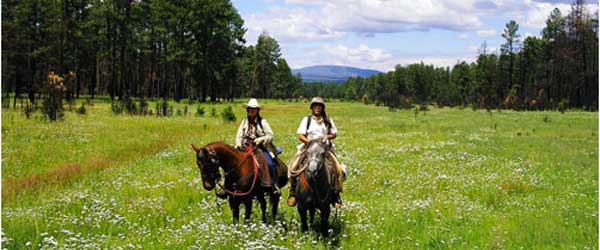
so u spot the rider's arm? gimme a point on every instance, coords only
(268, 131)
(239, 136)
(303, 138)
(332, 131)
(331, 136)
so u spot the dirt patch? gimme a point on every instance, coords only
(13, 187)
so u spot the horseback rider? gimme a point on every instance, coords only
(255, 131)
(317, 126)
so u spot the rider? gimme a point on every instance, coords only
(255, 130)
(319, 127)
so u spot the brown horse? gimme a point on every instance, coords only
(242, 180)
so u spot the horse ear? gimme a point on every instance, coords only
(195, 148)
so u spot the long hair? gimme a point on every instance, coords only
(257, 121)
(326, 119)
(324, 115)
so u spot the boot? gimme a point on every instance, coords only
(221, 193)
(292, 198)
(337, 200)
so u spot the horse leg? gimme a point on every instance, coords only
(302, 212)
(275, 205)
(235, 209)
(325, 210)
(248, 210)
(263, 206)
(312, 216)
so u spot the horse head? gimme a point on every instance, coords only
(315, 155)
(208, 163)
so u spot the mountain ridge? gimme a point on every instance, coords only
(332, 73)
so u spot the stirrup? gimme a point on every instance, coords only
(276, 189)
(291, 201)
(338, 202)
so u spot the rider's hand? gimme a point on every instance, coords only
(322, 138)
(259, 140)
(238, 146)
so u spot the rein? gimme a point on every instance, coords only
(235, 193)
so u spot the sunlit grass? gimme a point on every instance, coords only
(447, 179)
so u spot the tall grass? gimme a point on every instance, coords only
(450, 179)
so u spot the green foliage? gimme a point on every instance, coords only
(116, 107)
(365, 99)
(28, 109)
(54, 90)
(546, 119)
(213, 112)
(444, 181)
(563, 105)
(200, 111)
(228, 114)
(81, 110)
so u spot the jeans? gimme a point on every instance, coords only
(271, 164)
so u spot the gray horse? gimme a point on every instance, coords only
(314, 190)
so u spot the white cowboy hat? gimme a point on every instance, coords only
(252, 103)
(317, 100)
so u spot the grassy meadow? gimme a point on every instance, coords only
(444, 179)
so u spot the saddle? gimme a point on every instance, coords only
(263, 169)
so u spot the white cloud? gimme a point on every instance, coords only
(289, 25)
(373, 16)
(473, 48)
(538, 13)
(361, 56)
(438, 61)
(462, 36)
(332, 19)
(487, 33)
(360, 53)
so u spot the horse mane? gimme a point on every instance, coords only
(222, 144)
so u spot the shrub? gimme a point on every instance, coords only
(129, 105)
(53, 90)
(228, 114)
(563, 105)
(213, 112)
(116, 107)
(143, 106)
(28, 109)
(81, 110)
(546, 119)
(365, 99)
(200, 111)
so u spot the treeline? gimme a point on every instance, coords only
(557, 70)
(172, 49)
(195, 50)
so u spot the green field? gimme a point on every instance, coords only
(446, 179)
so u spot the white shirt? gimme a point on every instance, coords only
(259, 131)
(316, 130)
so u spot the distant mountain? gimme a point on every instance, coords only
(332, 73)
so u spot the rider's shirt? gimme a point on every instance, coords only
(316, 128)
(250, 132)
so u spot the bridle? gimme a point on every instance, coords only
(208, 162)
(215, 176)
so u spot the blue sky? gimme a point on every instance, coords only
(379, 34)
